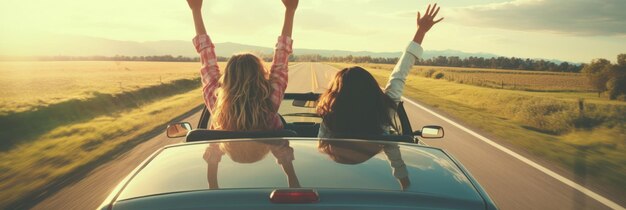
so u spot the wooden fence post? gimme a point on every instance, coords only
(581, 107)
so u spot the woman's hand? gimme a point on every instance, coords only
(404, 183)
(207, 155)
(290, 11)
(290, 5)
(424, 23)
(195, 4)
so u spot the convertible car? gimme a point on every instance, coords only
(293, 169)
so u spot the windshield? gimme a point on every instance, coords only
(293, 113)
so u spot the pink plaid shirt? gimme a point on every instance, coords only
(210, 73)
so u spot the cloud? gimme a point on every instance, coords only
(572, 17)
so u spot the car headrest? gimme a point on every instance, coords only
(203, 135)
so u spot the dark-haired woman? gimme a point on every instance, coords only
(355, 105)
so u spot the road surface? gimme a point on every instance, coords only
(511, 182)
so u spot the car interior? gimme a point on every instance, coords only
(300, 119)
(204, 134)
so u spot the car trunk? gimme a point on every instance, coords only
(351, 174)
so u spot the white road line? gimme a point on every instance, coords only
(553, 174)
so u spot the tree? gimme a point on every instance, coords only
(616, 85)
(597, 73)
(621, 60)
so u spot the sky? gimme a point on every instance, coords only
(568, 30)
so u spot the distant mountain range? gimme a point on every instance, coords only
(92, 46)
(227, 49)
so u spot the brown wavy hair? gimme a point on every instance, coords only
(243, 99)
(355, 105)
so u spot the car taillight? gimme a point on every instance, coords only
(294, 196)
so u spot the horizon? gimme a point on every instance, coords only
(536, 29)
(433, 53)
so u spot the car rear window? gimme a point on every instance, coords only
(184, 168)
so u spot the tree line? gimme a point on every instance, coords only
(449, 61)
(607, 77)
(512, 63)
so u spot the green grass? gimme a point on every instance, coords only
(536, 81)
(546, 124)
(32, 165)
(27, 126)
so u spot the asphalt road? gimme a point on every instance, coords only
(511, 182)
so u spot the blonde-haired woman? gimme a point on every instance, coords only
(246, 97)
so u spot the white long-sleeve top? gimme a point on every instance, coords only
(397, 79)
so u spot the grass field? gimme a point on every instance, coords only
(539, 81)
(568, 87)
(40, 96)
(32, 165)
(57, 117)
(546, 124)
(30, 85)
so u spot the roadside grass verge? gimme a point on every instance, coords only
(547, 125)
(29, 166)
(26, 126)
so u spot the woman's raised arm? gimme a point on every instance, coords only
(290, 11)
(209, 73)
(396, 83)
(278, 71)
(196, 6)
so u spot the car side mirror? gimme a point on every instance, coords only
(178, 129)
(430, 132)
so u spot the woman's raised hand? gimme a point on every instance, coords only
(424, 23)
(428, 20)
(290, 4)
(195, 4)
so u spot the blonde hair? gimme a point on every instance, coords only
(243, 99)
(245, 152)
